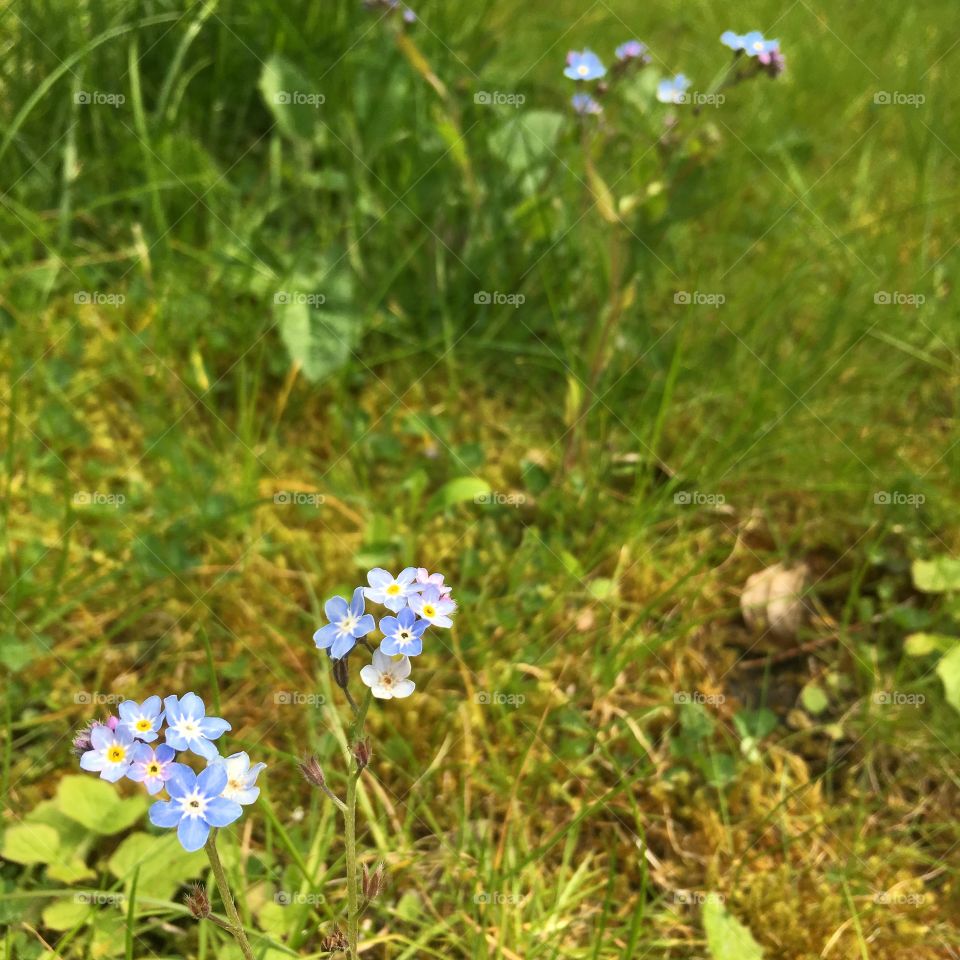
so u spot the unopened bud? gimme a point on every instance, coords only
(81, 740)
(197, 902)
(372, 882)
(334, 941)
(341, 672)
(313, 772)
(362, 753)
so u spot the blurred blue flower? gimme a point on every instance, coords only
(585, 105)
(241, 777)
(673, 91)
(142, 720)
(409, 16)
(195, 805)
(152, 767)
(733, 40)
(391, 591)
(110, 753)
(584, 65)
(753, 44)
(402, 634)
(188, 727)
(347, 624)
(633, 50)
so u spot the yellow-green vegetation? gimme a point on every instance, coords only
(602, 759)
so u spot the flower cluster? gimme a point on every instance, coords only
(416, 598)
(585, 65)
(125, 746)
(754, 44)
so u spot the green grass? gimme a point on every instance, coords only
(585, 812)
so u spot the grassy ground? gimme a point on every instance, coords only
(601, 746)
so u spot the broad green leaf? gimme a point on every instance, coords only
(291, 98)
(948, 669)
(164, 864)
(939, 575)
(727, 937)
(814, 699)
(66, 914)
(923, 644)
(461, 490)
(525, 143)
(31, 843)
(319, 340)
(97, 805)
(70, 871)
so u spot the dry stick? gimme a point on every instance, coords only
(236, 924)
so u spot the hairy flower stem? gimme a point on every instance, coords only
(236, 924)
(350, 836)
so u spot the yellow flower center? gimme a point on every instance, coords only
(583, 69)
(429, 610)
(393, 589)
(144, 725)
(153, 770)
(386, 679)
(115, 754)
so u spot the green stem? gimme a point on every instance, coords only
(236, 924)
(350, 837)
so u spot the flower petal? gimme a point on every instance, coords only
(326, 635)
(192, 706)
(335, 608)
(165, 814)
(403, 688)
(369, 675)
(181, 781)
(221, 811)
(192, 833)
(213, 727)
(356, 602)
(211, 781)
(378, 577)
(342, 646)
